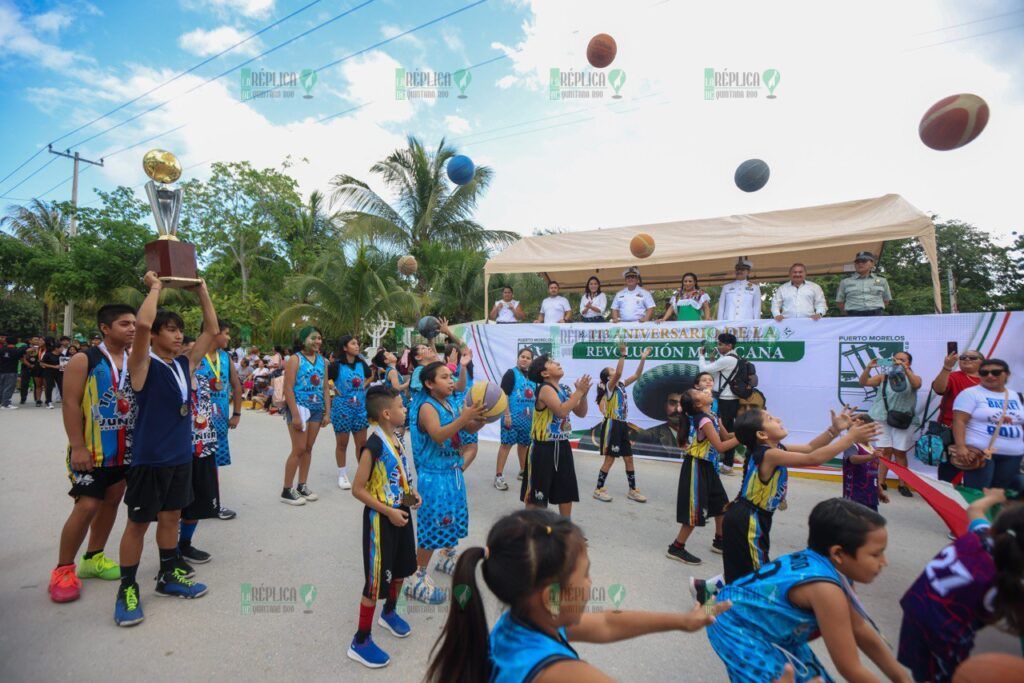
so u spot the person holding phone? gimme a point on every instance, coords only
(894, 409)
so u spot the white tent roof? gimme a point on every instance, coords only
(824, 238)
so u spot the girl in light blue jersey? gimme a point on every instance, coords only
(536, 563)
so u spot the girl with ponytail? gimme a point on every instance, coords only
(536, 563)
(976, 581)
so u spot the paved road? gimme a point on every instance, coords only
(275, 546)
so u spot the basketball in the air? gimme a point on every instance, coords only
(990, 667)
(461, 169)
(428, 326)
(491, 397)
(953, 121)
(407, 265)
(752, 175)
(601, 50)
(642, 245)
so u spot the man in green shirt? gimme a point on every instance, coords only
(865, 293)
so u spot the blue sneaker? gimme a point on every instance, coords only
(175, 584)
(424, 590)
(128, 608)
(368, 654)
(398, 626)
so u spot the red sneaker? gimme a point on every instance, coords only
(64, 585)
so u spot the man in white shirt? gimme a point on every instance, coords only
(555, 309)
(633, 303)
(722, 370)
(798, 298)
(740, 299)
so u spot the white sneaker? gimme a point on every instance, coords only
(49, 406)
(343, 482)
(500, 483)
(446, 562)
(12, 407)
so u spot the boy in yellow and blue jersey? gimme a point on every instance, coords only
(99, 417)
(382, 484)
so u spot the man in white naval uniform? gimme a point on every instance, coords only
(740, 299)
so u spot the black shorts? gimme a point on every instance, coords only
(205, 490)
(615, 439)
(389, 553)
(701, 494)
(550, 474)
(152, 489)
(745, 528)
(94, 484)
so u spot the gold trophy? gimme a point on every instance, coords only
(173, 261)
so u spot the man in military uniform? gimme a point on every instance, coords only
(740, 299)
(865, 293)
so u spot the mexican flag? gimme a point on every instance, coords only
(949, 500)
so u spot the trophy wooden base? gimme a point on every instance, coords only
(174, 262)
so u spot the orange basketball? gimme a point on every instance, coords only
(601, 50)
(953, 122)
(991, 667)
(407, 265)
(642, 245)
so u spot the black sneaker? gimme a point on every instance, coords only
(699, 590)
(226, 513)
(193, 554)
(717, 545)
(179, 564)
(520, 476)
(680, 553)
(905, 491)
(39, 404)
(292, 497)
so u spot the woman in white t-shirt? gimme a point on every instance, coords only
(507, 309)
(593, 303)
(689, 302)
(978, 414)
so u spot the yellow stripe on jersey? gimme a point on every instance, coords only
(760, 493)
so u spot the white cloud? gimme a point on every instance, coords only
(19, 40)
(205, 43)
(253, 9)
(456, 124)
(51, 22)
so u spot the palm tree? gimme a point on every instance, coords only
(44, 227)
(308, 232)
(428, 210)
(344, 291)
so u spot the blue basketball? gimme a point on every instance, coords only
(428, 326)
(460, 169)
(752, 175)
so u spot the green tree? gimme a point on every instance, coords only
(343, 291)
(308, 233)
(427, 210)
(20, 315)
(44, 228)
(234, 215)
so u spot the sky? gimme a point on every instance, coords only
(854, 80)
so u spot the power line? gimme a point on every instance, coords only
(968, 23)
(167, 82)
(228, 71)
(14, 187)
(976, 35)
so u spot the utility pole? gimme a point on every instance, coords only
(69, 308)
(953, 307)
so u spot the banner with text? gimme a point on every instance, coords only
(804, 367)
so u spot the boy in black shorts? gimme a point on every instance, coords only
(389, 541)
(160, 476)
(99, 416)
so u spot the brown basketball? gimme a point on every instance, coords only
(991, 667)
(642, 245)
(407, 265)
(601, 50)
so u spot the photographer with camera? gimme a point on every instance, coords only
(894, 409)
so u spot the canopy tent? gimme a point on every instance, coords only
(824, 238)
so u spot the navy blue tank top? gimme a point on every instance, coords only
(163, 436)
